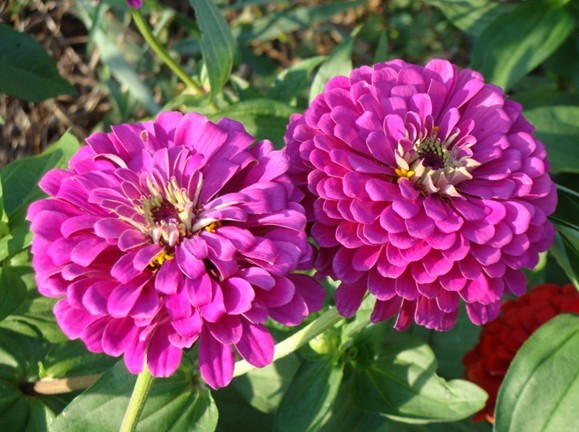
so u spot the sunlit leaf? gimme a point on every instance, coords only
(264, 388)
(217, 43)
(541, 389)
(517, 42)
(174, 404)
(402, 384)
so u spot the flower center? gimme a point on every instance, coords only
(436, 165)
(433, 154)
(169, 211)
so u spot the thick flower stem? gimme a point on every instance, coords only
(137, 401)
(295, 341)
(162, 52)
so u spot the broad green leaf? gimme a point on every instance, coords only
(471, 16)
(21, 176)
(541, 389)
(566, 258)
(287, 21)
(556, 125)
(402, 384)
(309, 396)
(236, 415)
(36, 311)
(26, 70)
(21, 350)
(264, 388)
(451, 346)
(293, 80)
(174, 404)
(217, 43)
(345, 416)
(339, 63)
(517, 42)
(262, 118)
(12, 291)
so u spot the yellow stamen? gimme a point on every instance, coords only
(403, 173)
(212, 227)
(160, 259)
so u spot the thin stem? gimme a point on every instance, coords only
(295, 341)
(162, 52)
(137, 401)
(64, 385)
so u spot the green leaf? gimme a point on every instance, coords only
(12, 291)
(235, 414)
(282, 23)
(124, 72)
(21, 350)
(471, 16)
(217, 43)
(566, 258)
(451, 346)
(36, 312)
(339, 63)
(541, 389)
(345, 416)
(293, 80)
(27, 71)
(402, 384)
(264, 388)
(518, 41)
(174, 404)
(21, 177)
(555, 120)
(262, 118)
(309, 396)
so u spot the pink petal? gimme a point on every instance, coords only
(124, 296)
(118, 335)
(215, 361)
(349, 297)
(163, 358)
(227, 330)
(256, 345)
(168, 278)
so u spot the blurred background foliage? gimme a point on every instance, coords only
(88, 67)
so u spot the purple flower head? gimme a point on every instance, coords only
(168, 232)
(135, 3)
(425, 185)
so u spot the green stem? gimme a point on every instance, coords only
(162, 52)
(295, 341)
(137, 401)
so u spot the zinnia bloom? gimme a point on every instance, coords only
(425, 185)
(499, 341)
(170, 231)
(135, 3)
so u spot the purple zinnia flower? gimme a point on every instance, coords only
(425, 185)
(135, 3)
(170, 231)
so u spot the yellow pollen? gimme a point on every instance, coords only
(160, 259)
(403, 173)
(435, 129)
(212, 227)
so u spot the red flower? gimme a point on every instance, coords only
(487, 364)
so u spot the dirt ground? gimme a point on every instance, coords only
(30, 127)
